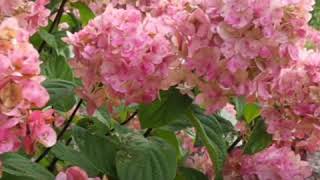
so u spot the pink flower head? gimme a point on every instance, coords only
(271, 163)
(127, 56)
(74, 173)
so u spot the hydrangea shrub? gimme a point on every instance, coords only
(159, 89)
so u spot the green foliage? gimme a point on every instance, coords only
(239, 103)
(315, 21)
(259, 138)
(75, 158)
(145, 159)
(184, 173)
(100, 150)
(85, 12)
(56, 67)
(251, 112)
(20, 166)
(171, 106)
(171, 138)
(210, 134)
(61, 93)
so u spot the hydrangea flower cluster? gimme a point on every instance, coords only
(292, 111)
(120, 55)
(30, 14)
(223, 48)
(20, 91)
(271, 163)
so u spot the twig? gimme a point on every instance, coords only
(55, 159)
(234, 144)
(64, 129)
(147, 133)
(55, 22)
(129, 118)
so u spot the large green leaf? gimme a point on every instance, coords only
(239, 103)
(251, 112)
(85, 12)
(146, 159)
(48, 38)
(210, 134)
(171, 106)
(259, 138)
(171, 138)
(213, 128)
(76, 158)
(20, 166)
(61, 94)
(100, 150)
(315, 21)
(185, 173)
(56, 67)
(103, 116)
(73, 22)
(7, 176)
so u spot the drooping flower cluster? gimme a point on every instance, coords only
(271, 163)
(20, 91)
(30, 14)
(120, 55)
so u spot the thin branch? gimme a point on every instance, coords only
(234, 144)
(129, 118)
(55, 22)
(55, 159)
(64, 129)
(148, 132)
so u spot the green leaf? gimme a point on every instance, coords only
(18, 165)
(7, 176)
(185, 173)
(213, 129)
(85, 12)
(259, 138)
(171, 138)
(210, 135)
(251, 112)
(181, 123)
(61, 94)
(76, 158)
(100, 150)
(103, 116)
(239, 103)
(168, 108)
(315, 21)
(54, 4)
(146, 159)
(48, 38)
(56, 67)
(73, 22)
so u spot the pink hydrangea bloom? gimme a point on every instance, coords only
(31, 15)
(74, 173)
(128, 60)
(20, 91)
(271, 163)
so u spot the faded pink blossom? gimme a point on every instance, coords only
(74, 173)
(271, 163)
